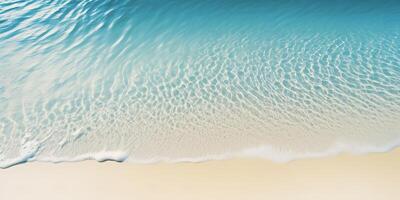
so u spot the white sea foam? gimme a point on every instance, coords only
(264, 152)
(117, 156)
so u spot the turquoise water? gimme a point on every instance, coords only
(158, 80)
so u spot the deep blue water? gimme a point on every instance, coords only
(191, 80)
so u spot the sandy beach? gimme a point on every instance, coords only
(369, 176)
(89, 87)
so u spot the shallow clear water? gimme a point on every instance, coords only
(192, 80)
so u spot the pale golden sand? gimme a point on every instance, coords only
(370, 176)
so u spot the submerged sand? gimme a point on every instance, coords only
(369, 176)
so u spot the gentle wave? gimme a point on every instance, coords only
(157, 80)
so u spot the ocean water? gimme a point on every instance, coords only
(173, 80)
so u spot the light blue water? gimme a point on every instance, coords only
(192, 80)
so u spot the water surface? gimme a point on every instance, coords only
(153, 80)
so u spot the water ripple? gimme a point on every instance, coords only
(191, 80)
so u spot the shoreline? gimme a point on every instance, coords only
(367, 176)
